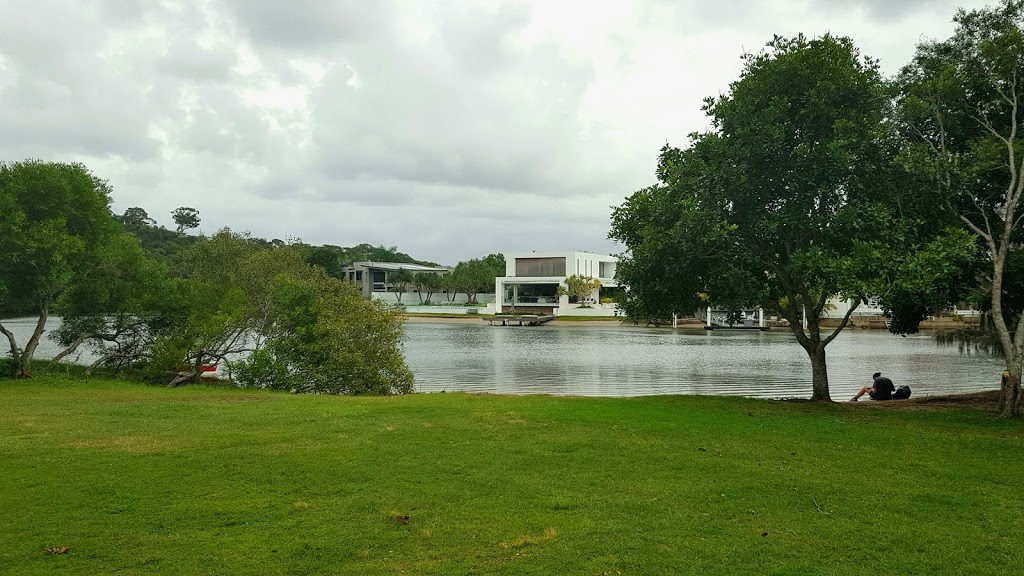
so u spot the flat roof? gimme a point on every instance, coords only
(400, 266)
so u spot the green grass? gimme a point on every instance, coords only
(203, 480)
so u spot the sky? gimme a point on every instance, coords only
(450, 129)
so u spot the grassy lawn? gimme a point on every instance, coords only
(203, 480)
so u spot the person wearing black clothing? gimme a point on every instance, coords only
(881, 389)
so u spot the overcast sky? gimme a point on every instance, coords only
(450, 129)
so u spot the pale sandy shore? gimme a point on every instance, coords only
(613, 323)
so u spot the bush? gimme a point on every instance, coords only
(607, 300)
(333, 341)
(262, 369)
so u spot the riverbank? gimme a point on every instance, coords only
(862, 323)
(134, 479)
(592, 321)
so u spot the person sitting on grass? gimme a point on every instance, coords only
(881, 389)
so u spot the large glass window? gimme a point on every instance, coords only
(532, 294)
(608, 269)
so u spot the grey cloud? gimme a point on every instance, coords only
(310, 23)
(187, 60)
(122, 12)
(423, 114)
(886, 9)
(473, 127)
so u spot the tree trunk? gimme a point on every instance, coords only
(71, 349)
(1010, 393)
(190, 376)
(33, 342)
(16, 367)
(819, 374)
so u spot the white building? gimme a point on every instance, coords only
(532, 279)
(374, 277)
(837, 308)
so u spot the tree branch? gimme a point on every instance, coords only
(842, 324)
(10, 338)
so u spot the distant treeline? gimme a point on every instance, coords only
(162, 243)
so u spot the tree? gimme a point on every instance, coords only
(427, 283)
(224, 303)
(186, 218)
(450, 283)
(472, 277)
(400, 280)
(961, 106)
(368, 252)
(496, 262)
(329, 340)
(55, 220)
(579, 287)
(782, 204)
(325, 258)
(117, 308)
(137, 217)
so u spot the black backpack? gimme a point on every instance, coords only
(902, 393)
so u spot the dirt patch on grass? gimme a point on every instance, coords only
(132, 444)
(984, 401)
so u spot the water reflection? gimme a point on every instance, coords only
(626, 361)
(591, 361)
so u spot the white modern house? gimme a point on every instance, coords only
(532, 279)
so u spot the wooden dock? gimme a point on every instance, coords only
(524, 320)
(736, 327)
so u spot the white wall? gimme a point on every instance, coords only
(582, 263)
(413, 299)
(842, 306)
(607, 310)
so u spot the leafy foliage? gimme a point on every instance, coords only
(427, 283)
(960, 108)
(185, 218)
(475, 276)
(136, 217)
(578, 287)
(329, 340)
(784, 204)
(400, 280)
(56, 225)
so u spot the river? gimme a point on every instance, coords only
(631, 361)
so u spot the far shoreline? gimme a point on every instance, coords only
(684, 324)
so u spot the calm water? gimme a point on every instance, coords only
(627, 361)
(601, 361)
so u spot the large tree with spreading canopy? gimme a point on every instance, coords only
(56, 229)
(785, 203)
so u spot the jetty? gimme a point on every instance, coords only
(524, 320)
(736, 327)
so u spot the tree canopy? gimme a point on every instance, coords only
(56, 226)
(785, 203)
(578, 287)
(960, 103)
(185, 218)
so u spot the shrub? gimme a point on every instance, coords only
(262, 369)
